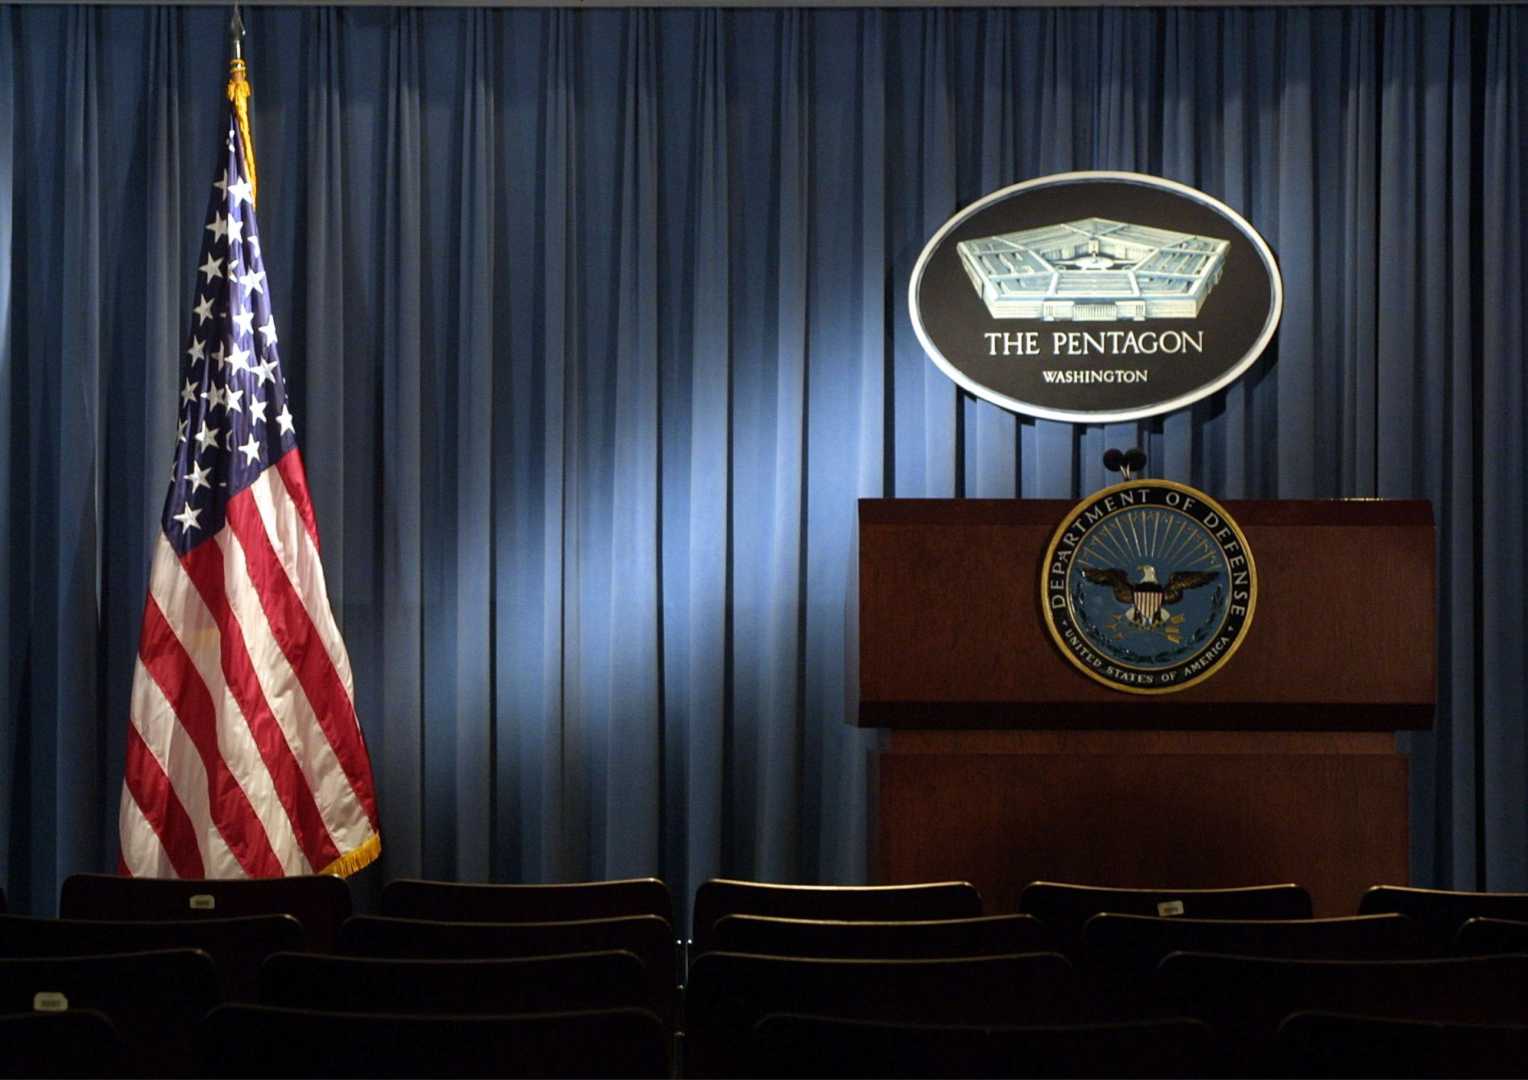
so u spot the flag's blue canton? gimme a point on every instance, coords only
(234, 419)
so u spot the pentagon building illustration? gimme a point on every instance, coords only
(1094, 270)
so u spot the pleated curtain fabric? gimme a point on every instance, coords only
(596, 321)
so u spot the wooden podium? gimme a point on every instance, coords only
(1005, 764)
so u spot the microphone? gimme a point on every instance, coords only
(1125, 462)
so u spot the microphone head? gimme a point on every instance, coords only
(1135, 459)
(1113, 459)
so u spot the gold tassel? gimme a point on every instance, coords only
(238, 93)
(352, 861)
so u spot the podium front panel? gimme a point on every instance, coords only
(952, 636)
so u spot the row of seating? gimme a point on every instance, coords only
(322, 904)
(952, 978)
(259, 1041)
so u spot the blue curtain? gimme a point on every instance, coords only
(595, 323)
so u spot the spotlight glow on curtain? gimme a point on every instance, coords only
(596, 322)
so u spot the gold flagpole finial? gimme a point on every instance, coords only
(238, 93)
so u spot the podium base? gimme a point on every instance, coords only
(1186, 809)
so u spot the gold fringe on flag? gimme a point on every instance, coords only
(352, 861)
(238, 93)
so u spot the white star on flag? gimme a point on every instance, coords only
(198, 476)
(251, 449)
(187, 518)
(238, 358)
(206, 437)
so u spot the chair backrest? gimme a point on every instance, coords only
(153, 998)
(794, 1045)
(649, 937)
(319, 902)
(79, 1042)
(990, 935)
(451, 901)
(930, 900)
(299, 1042)
(1484, 936)
(237, 946)
(1133, 945)
(1244, 998)
(1066, 907)
(591, 980)
(728, 993)
(1442, 912)
(1342, 1044)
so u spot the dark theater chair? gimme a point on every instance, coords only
(1442, 911)
(650, 938)
(450, 901)
(1066, 907)
(1246, 998)
(1341, 1045)
(990, 935)
(931, 900)
(262, 1041)
(75, 1043)
(729, 993)
(579, 981)
(1133, 945)
(319, 902)
(154, 999)
(814, 1046)
(1121, 952)
(237, 946)
(1484, 936)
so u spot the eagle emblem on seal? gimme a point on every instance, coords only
(1147, 600)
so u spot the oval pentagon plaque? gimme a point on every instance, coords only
(1095, 297)
(1148, 586)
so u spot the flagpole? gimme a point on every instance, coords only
(239, 91)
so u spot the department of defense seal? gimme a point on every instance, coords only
(1148, 586)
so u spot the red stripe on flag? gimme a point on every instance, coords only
(205, 565)
(293, 629)
(181, 684)
(295, 477)
(150, 788)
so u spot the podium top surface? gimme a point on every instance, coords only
(1330, 513)
(952, 635)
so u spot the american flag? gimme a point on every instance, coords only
(244, 755)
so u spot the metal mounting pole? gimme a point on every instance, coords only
(236, 34)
